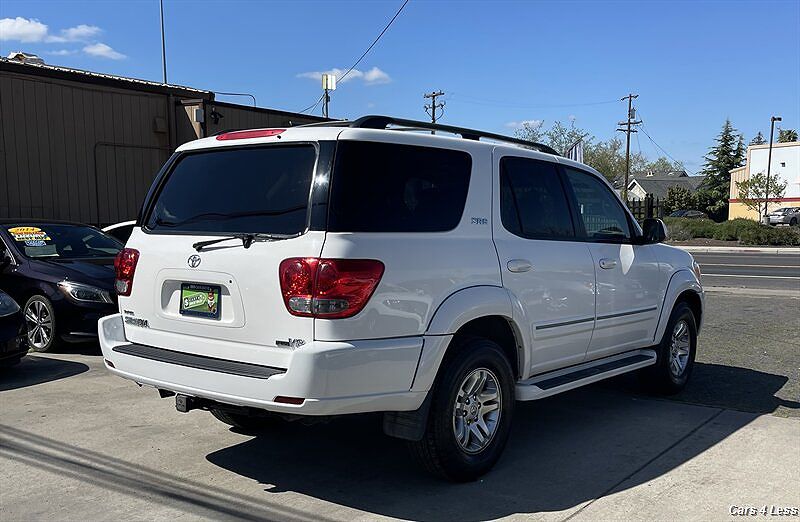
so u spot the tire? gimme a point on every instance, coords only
(793, 222)
(243, 422)
(439, 451)
(40, 319)
(674, 362)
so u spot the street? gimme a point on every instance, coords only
(78, 443)
(750, 270)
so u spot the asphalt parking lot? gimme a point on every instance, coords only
(79, 444)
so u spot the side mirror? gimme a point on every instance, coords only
(653, 231)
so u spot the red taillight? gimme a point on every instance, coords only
(328, 288)
(125, 266)
(245, 134)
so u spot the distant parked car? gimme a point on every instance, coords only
(61, 274)
(691, 214)
(13, 342)
(121, 231)
(785, 216)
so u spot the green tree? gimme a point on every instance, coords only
(663, 165)
(727, 154)
(758, 140)
(787, 135)
(679, 198)
(754, 192)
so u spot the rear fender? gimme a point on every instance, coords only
(454, 312)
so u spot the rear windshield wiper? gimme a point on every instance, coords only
(247, 239)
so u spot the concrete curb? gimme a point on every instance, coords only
(738, 250)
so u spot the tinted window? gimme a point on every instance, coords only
(263, 189)
(384, 187)
(62, 241)
(601, 212)
(532, 201)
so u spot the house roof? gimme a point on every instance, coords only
(659, 186)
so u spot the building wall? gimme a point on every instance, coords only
(77, 152)
(785, 165)
(83, 147)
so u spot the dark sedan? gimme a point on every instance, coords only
(61, 274)
(13, 342)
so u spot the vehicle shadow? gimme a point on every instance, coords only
(564, 451)
(724, 386)
(34, 370)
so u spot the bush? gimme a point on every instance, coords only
(746, 231)
(765, 235)
(733, 229)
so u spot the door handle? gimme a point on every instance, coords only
(607, 263)
(519, 265)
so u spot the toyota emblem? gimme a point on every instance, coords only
(194, 261)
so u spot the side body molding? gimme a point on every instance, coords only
(454, 312)
(681, 281)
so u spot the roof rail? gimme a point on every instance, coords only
(382, 122)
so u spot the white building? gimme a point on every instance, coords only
(785, 167)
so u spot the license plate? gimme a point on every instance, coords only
(200, 300)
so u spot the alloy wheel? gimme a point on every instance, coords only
(477, 409)
(679, 349)
(40, 324)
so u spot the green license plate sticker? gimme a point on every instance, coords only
(200, 300)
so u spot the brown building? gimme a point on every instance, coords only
(83, 146)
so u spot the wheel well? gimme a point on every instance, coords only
(691, 298)
(497, 329)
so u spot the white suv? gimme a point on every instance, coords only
(365, 266)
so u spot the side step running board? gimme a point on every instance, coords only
(558, 381)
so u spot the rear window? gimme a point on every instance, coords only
(385, 187)
(252, 190)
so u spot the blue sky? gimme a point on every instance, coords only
(693, 63)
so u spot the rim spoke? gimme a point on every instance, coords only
(477, 432)
(487, 396)
(488, 408)
(30, 315)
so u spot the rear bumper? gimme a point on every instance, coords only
(334, 378)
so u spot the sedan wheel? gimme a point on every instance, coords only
(41, 324)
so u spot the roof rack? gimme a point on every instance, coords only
(382, 122)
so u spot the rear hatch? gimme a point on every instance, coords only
(224, 299)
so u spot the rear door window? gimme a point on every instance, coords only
(386, 187)
(532, 201)
(249, 190)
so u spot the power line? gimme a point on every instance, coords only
(664, 151)
(374, 41)
(363, 55)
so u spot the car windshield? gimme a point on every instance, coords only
(783, 211)
(253, 190)
(62, 241)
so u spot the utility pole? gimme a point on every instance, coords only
(772, 121)
(631, 120)
(163, 43)
(431, 109)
